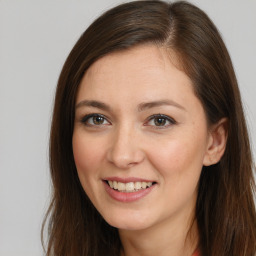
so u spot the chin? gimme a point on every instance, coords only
(127, 221)
(128, 225)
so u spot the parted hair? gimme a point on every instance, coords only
(225, 208)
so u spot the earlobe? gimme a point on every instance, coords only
(217, 142)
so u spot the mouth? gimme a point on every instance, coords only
(129, 187)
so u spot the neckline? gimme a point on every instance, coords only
(196, 253)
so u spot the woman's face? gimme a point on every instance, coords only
(140, 139)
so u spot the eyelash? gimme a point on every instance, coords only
(163, 117)
(85, 120)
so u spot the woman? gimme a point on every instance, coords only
(149, 148)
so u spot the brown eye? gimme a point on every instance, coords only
(159, 121)
(98, 120)
(94, 120)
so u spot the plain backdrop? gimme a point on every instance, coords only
(35, 38)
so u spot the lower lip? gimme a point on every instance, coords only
(127, 197)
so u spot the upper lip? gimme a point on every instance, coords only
(127, 179)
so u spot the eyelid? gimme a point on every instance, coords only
(85, 118)
(168, 118)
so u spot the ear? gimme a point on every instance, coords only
(216, 143)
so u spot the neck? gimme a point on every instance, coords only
(168, 238)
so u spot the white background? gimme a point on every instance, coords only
(35, 38)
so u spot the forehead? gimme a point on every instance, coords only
(148, 56)
(141, 56)
(145, 67)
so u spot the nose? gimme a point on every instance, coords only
(125, 150)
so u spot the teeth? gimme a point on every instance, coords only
(130, 186)
(110, 182)
(144, 184)
(137, 185)
(121, 186)
(115, 184)
(149, 184)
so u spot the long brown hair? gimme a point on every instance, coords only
(225, 210)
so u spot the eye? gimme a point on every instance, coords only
(94, 120)
(160, 121)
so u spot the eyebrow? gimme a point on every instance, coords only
(153, 104)
(93, 103)
(141, 106)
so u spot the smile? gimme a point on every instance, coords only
(129, 187)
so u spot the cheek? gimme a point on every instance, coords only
(179, 157)
(171, 158)
(86, 154)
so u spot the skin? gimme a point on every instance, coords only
(128, 143)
